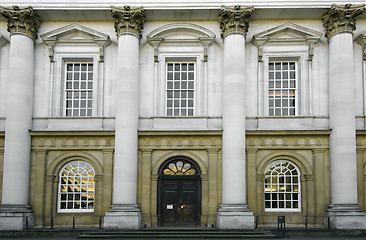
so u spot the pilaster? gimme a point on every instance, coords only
(234, 212)
(22, 25)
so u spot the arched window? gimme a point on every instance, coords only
(76, 187)
(282, 190)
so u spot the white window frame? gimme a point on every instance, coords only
(299, 195)
(161, 89)
(302, 101)
(281, 88)
(58, 107)
(180, 90)
(66, 193)
(66, 90)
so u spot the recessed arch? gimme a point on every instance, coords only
(188, 28)
(297, 159)
(194, 157)
(56, 165)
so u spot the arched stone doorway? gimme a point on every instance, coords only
(179, 193)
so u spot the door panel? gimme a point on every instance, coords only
(179, 202)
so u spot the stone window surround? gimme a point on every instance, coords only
(59, 210)
(298, 209)
(193, 42)
(287, 41)
(75, 43)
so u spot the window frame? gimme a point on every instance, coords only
(200, 93)
(66, 90)
(58, 88)
(303, 96)
(299, 192)
(59, 192)
(281, 89)
(183, 61)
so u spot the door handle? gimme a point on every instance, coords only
(182, 206)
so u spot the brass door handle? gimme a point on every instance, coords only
(182, 206)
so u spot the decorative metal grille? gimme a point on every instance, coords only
(179, 167)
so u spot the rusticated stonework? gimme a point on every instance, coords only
(235, 20)
(342, 19)
(21, 20)
(128, 21)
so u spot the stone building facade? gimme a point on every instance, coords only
(182, 114)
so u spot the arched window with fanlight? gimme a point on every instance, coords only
(282, 188)
(76, 190)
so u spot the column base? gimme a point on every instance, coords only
(123, 216)
(346, 216)
(15, 217)
(235, 216)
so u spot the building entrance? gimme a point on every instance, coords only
(179, 201)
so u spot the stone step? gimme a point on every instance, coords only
(179, 234)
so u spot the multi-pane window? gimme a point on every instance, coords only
(282, 88)
(79, 89)
(180, 89)
(76, 187)
(282, 187)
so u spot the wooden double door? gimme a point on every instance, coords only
(180, 202)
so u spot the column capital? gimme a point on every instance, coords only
(235, 20)
(128, 21)
(341, 19)
(21, 20)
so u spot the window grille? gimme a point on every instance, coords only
(180, 89)
(79, 89)
(282, 190)
(76, 187)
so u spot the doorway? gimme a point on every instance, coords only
(179, 193)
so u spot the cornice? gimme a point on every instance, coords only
(287, 33)
(200, 35)
(342, 19)
(21, 20)
(128, 21)
(66, 35)
(235, 20)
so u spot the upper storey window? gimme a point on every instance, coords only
(76, 61)
(282, 88)
(79, 89)
(181, 59)
(285, 55)
(180, 89)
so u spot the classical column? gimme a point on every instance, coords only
(125, 212)
(23, 26)
(234, 212)
(344, 212)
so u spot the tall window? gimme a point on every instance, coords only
(180, 89)
(282, 187)
(79, 89)
(282, 88)
(76, 187)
